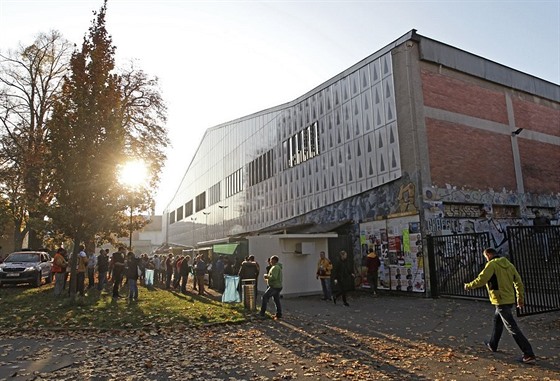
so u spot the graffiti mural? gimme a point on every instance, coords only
(458, 211)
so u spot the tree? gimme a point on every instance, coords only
(30, 79)
(100, 120)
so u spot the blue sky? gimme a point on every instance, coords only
(220, 60)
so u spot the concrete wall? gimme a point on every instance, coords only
(298, 269)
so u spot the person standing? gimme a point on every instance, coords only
(168, 270)
(92, 263)
(274, 281)
(118, 270)
(218, 274)
(343, 277)
(102, 269)
(324, 269)
(157, 269)
(132, 274)
(249, 270)
(59, 271)
(503, 283)
(372, 263)
(184, 272)
(200, 272)
(82, 268)
(540, 222)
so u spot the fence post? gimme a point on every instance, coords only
(434, 292)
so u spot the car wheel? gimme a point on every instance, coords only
(38, 280)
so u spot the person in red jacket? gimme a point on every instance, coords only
(372, 264)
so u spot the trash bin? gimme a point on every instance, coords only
(231, 292)
(248, 294)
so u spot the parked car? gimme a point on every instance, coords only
(26, 267)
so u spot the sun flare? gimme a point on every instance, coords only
(134, 173)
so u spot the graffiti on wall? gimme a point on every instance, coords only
(453, 211)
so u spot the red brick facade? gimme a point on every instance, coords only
(455, 95)
(475, 158)
(467, 157)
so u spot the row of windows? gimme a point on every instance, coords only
(261, 168)
(302, 146)
(297, 149)
(234, 183)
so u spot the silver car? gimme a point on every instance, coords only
(26, 267)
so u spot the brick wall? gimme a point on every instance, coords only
(473, 158)
(458, 96)
(468, 157)
(540, 164)
(536, 117)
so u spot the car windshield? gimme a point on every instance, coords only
(23, 257)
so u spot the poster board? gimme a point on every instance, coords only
(398, 243)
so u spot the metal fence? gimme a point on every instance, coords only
(455, 260)
(535, 251)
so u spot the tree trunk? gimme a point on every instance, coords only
(18, 238)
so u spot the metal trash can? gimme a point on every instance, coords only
(248, 294)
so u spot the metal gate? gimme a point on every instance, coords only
(535, 251)
(455, 260)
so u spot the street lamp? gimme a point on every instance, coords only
(223, 207)
(193, 219)
(206, 233)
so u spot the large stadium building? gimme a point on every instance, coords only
(419, 139)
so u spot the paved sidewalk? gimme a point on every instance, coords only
(383, 338)
(458, 324)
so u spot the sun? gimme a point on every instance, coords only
(134, 173)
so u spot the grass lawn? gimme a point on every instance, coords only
(23, 307)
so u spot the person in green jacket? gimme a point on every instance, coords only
(503, 282)
(274, 281)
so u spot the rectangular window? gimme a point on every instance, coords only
(172, 217)
(189, 208)
(234, 183)
(200, 202)
(180, 213)
(214, 194)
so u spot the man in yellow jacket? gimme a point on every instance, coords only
(503, 282)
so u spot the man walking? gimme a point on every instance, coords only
(501, 279)
(274, 280)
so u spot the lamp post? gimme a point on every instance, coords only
(206, 223)
(193, 219)
(223, 207)
(130, 229)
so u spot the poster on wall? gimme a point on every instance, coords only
(398, 243)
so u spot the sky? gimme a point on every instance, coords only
(222, 60)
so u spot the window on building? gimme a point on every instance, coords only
(200, 201)
(172, 217)
(302, 146)
(189, 208)
(214, 194)
(179, 213)
(261, 168)
(234, 183)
